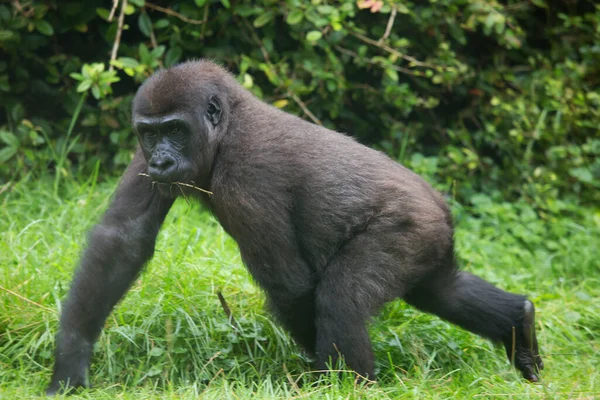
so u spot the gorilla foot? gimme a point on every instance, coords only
(522, 347)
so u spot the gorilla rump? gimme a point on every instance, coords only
(329, 228)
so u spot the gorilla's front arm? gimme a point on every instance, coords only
(118, 248)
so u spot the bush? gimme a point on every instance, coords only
(495, 97)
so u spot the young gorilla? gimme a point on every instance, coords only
(329, 228)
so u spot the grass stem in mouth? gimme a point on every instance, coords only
(181, 184)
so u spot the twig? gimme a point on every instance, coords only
(391, 50)
(305, 109)
(514, 344)
(219, 372)
(227, 310)
(255, 37)
(25, 299)
(175, 14)
(204, 21)
(152, 36)
(5, 187)
(394, 67)
(182, 184)
(390, 24)
(289, 378)
(194, 187)
(212, 358)
(349, 371)
(183, 194)
(115, 48)
(265, 54)
(20, 8)
(112, 10)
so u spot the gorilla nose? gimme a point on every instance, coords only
(162, 169)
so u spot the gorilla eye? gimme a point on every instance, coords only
(212, 109)
(149, 137)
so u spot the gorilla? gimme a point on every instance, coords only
(329, 228)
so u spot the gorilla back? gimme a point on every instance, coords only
(329, 228)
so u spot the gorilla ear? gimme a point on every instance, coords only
(213, 112)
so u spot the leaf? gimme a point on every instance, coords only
(129, 10)
(582, 174)
(200, 3)
(44, 27)
(248, 81)
(6, 35)
(4, 83)
(325, 9)
(144, 54)
(226, 3)
(9, 138)
(161, 23)
(103, 13)
(145, 24)
(281, 103)
(6, 153)
(96, 92)
(17, 113)
(129, 62)
(263, 19)
(158, 51)
(313, 36)
(392, 74)
(156, 370)
(244, 10)
(295, 17)
(156, 352)
(173, 56)
(83, 86)
(139, 3)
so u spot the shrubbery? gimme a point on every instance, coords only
(481, 96)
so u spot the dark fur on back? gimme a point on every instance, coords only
(329, 228)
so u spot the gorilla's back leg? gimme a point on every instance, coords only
(480, 307)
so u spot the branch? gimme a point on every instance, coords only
(265, 54)
(227, 311)
(112, 10)
(115, 48)
(304, 108)
(175, 14)
(391, 50)
(394, 67)
(390, 24)
(204, 21)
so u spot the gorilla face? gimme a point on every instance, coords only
(177, 127)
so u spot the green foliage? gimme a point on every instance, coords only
(487, 96)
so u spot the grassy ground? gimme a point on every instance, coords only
(170, 338)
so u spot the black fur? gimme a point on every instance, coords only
(330, 229)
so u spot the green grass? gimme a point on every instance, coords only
(170, 338)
